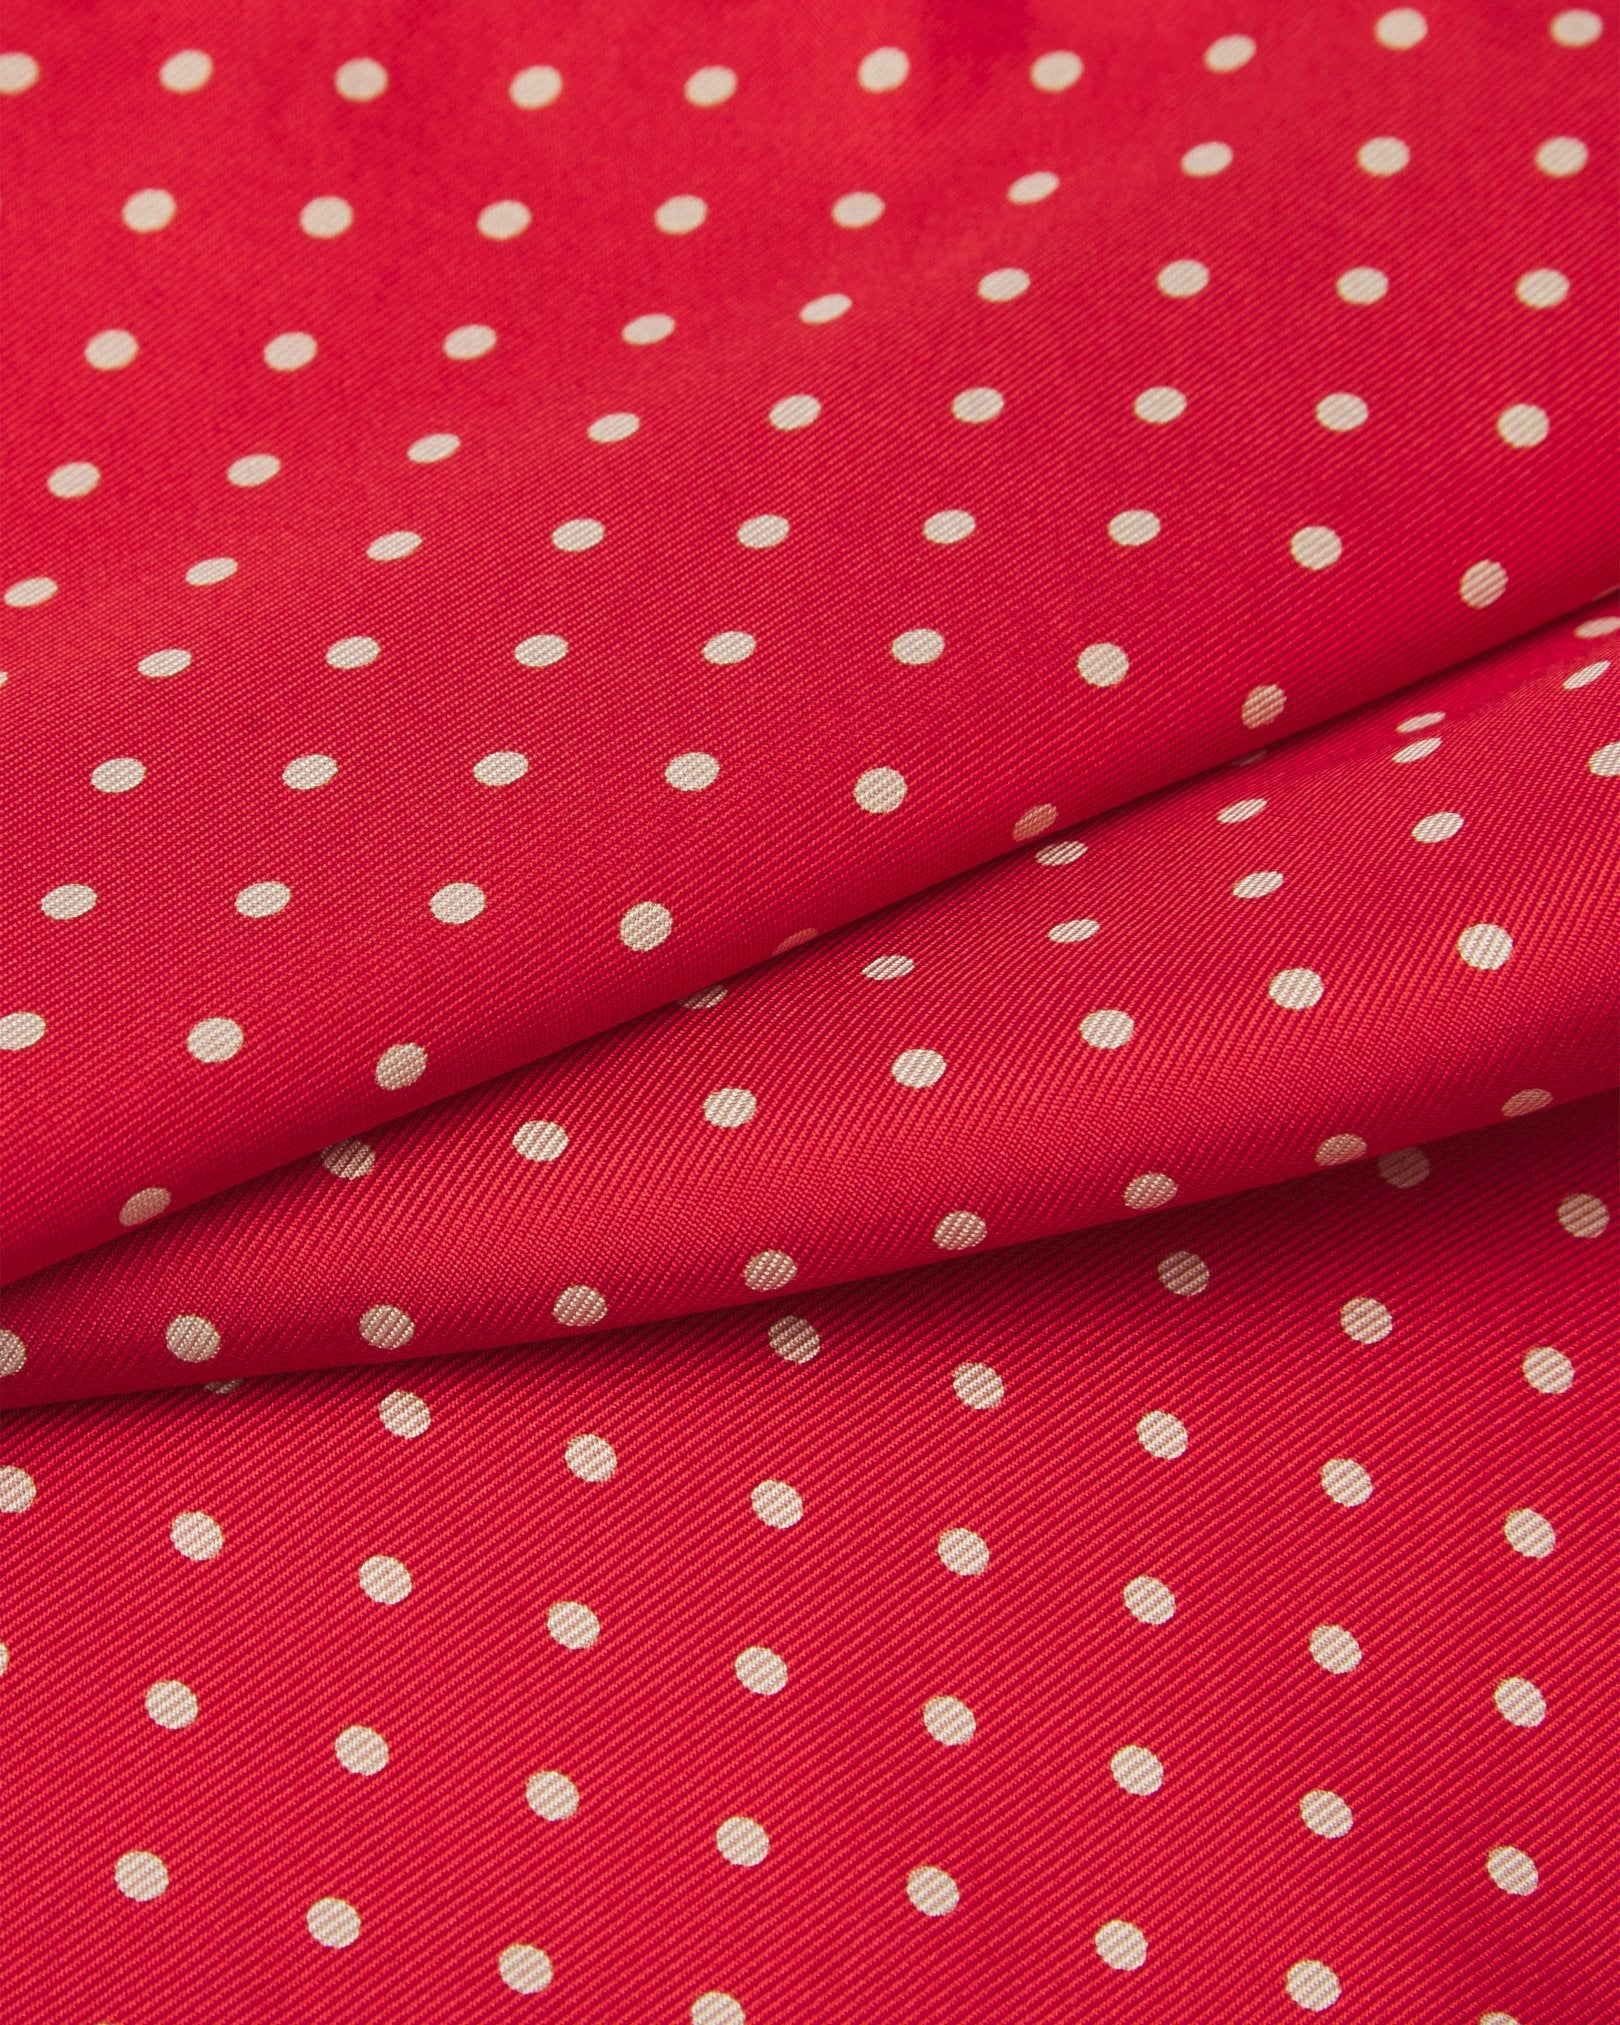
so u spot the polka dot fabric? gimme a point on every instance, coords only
(1011, 1639)
(1391, 929)
(511, 519)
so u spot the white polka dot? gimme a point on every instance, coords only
(1257, 886)
(1334, 1649)
(1422, 721)
(540, 650)
(795, 411)
(30, 591)
(333, 1922)
(196, 1536)
(1073, 931)
(1149, 1600)
(456, 903)
(856, 209)
(742, 1841)
(349, 1159)
(710, 86)
(143, 1205)
(1182, 278)
(1103, 664)
(1384, 156)
(1120, 1945)
(469, 341)
(1150, 1191)
(1583, 1216)
(763, 530)
(149, 210)
(1438, 828)
(1229, 52)
(1485, 946)
(1365, 1320)
(573, 1625)
(1523, 426)
(1483, 583)
(1520, 1702)
(1325, 1814)
(500, 769)
(537, 86)
(880, 790)
(405, 1414)
(1161, 1434)
(289, 352)
(760, 1670)
(539, 1139)
(579, 1307)
(1034, 188)
(1160, 404)
(949, 526)
(552, 1795)
(401, 1065)
(884, 69)
(1362, 285)
(651, 329)
(394, 547)
(680, 215)
(1209, 158)
(1137, 1770)
(776, 1504)
(1583, 678)
(1003, 284)
(186, 70)
(73, 481)
(1312, 1985)
(978, 1386)
(948, 1721)
(825, 309)
(1107, 1029)
(1316, 548)
(384, 1579)
(730, 1107)
(361, 1751)
(1034, 822)
(933, 1892)
(959, 1230)
(1340, 1148)
(1263, 706)
(1605, 762)
(17, 1490)
(214, 1040)
(108, 350)
(725, 649)
(573, 537)
(1523, 1102)
(1066, 851)
(433, 449)
(361, 79)
(248, 472)
(646, 925)
(140, 1875)
(766, 1271)
(171, 1705)
(21, 1030)
(67, 903)
(259, 901)
(1575, 28)
(794, 1339)
(918, 647)
(1296, 990)
(386, 1328)
(326, 217)
(977, 404)
(962, 1551)
(1420, 748)
(1133, 528)
(1057, 70)
(1407, 1167)
(523, 1969)
(1341, 413)
(918, 1068)
(1561, 156)
(192, 1338)
(1548, 1371)
(1542, 288)
(1402, 28)
(1345, 1481)
(166, 661)
(1512, 1871)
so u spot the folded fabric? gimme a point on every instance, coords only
(524, 534)
(1057, 1634)
(1400, 926)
